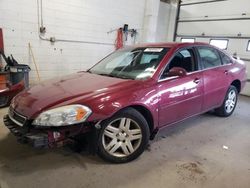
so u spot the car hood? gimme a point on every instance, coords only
(52, 93)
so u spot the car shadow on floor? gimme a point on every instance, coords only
(16, 158)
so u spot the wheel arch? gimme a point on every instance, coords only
(146, 113)
(237, 84)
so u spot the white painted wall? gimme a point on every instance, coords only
(163, 22)
(87, 20)
(223, 9)
(166, 22)
(150, 20)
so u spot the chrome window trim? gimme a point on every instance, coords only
(190, 73)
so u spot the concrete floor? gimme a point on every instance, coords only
(190, 154)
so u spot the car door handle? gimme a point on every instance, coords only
(226, 72)
(196, 80)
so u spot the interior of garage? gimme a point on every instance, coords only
(50, 39)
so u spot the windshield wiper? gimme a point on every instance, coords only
(115, 76)
(125, 77)
(109, 75)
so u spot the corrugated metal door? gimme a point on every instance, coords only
(226, 22)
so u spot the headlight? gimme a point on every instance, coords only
(65, 115)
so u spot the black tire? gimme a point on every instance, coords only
(4, 101)
(221, 111)
(135, 116)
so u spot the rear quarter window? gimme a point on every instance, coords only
(225, 59)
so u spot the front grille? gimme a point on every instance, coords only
(17, 118)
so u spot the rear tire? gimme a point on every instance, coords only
(123, 137)
(229, 104)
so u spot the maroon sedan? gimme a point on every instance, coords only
(122, 101)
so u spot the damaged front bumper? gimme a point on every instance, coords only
(44, 137)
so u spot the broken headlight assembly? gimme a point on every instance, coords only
(62, 116)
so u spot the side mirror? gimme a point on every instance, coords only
(177, 71)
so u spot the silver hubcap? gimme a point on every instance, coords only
(122, 137)
(230, 102)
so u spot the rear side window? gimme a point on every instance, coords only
(209, 57)
(225, 59)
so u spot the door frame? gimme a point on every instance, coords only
(197, 59)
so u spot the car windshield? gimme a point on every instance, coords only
(136, 63)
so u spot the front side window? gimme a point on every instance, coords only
(132, 63)
(209, 57)
(184, 59)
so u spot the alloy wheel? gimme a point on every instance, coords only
(231, 101)
(122, 137)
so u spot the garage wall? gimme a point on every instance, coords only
(237, 30)
(166, 21)
(163, 21)
(81, 20)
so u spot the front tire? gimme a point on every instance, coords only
(123, 137)
(229, 104)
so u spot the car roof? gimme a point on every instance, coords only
(172, 44)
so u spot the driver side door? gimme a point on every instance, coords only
(180, 96)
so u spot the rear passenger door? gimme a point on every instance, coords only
(216, 77)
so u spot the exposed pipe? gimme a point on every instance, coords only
(201, 2)
(38, 22)
(41, 3)
(38, 17)
(54, 39)
(82, 41)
